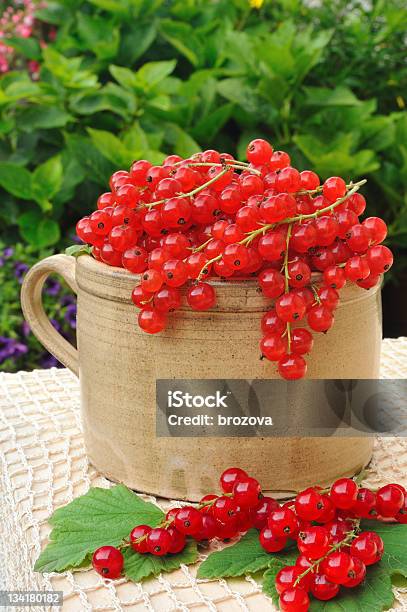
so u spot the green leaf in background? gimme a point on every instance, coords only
(136, 38)
(182, 36)
(16, 180)
(29, 47)
(321, 96)
(83, 150)
(68, 70)
(98, 35)
(46, 181)
(183, 144)
(151, 73)
(100, 517)
(37, 230)
(247, 556)
(137, 567)
(42, 117)
(111, 147)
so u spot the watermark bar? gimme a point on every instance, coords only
(277, 408)
(11, 599)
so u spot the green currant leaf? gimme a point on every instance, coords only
(100, 517)
(137, 567)
(245, 557)
(78, 249)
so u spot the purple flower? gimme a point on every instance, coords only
(49, 361)
(20, 269)
(1, 262)
(10, 347)
(66, 300)
(25, 329)
(70, 315)
(8, 252)
(56, 325)
(52, 287)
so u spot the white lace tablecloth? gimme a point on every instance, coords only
(43, 466)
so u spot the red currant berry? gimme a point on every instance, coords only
(273, 347)
(177, 245)
(334, 277)
(379, 258)
(327, 230)
(140, 297)
(176, 212)
(246, 492)
(289, 180)
(210, 157)
(175, 272)
(379, 544)
(270, 323)
(271, 282)
(224, 508)
(328, 512)
(313, 542)
(279, 160)
(299, 274)
(201, 296)
(322, 258)
(271, 246)
(338, 567)
(270, 542)
(135, 260)
(365, 504)
(188, 520)
(159, 541)
(178, 540)
(167, 299)
(357, 204)
(290, 307)
(229, 478)
(110, 256)
(389, 500)
(343, 493)
(232, 233)
(303, 237)
(248, 218)
(308, 504)
(377, 229)
(138, 538)
(250, 184)
(358, 238)
(401, 516)
(222, 179)
(151, 321)
(261, 513)
(205, 208)
(283, 522)
(152, 223)
(322, 588)
(334, 188)
(188, 177)
(138, 172)
(328, 297)
(108, 561)
(292, 366)
(337, 529)
(345, 219)
(301, 341)
(320, 318)
(122, 237)
(214, 248)
(236, 256)
(259, 151)
(100, 222)
(364, 548)
(105, 200)
(309, 180)
(151, 281)
(294, 599)
(369, 282)
(210, 528)
(358, 573)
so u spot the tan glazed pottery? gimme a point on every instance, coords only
(118, 365)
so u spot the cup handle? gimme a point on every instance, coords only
(33, 309)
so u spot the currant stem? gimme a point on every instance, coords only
(351, 535)
(190, 193)
(286, 281)
(315, 292)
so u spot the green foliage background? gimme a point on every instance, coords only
(143, 78)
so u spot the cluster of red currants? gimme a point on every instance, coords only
(210, 215)
(324, 523)
(333, 550)
(239, 508)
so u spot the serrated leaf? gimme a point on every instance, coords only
(137, 567)
(245, 557)
(100, 517)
